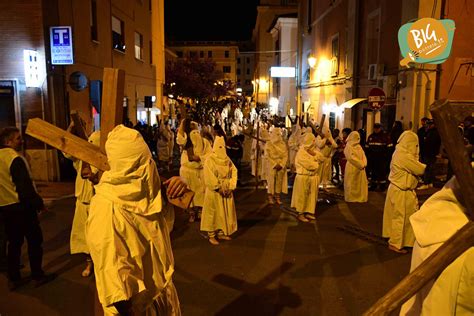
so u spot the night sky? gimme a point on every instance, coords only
(210, 19)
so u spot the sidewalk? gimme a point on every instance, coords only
(51, 191)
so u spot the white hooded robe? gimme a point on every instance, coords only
(326, 146)
(452, 293)
(305, 188)
(219, 212)
(277, 154)
(84, 190)
(127, 232)
(356, 188)
(401, 201)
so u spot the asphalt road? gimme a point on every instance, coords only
(274, 265)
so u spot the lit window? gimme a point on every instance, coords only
(138, 46)
(118, 34)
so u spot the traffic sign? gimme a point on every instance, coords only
(376, 99)
(61, 45)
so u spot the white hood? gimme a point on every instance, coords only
(440, 217)
(133, 180)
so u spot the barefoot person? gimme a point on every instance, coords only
(305, 189)
(355, 180)
(401, 201)
(277, 156)
(220, 177)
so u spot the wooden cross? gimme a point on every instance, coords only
(111, 116)
(447, 115)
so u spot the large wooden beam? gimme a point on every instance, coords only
(447, 117)
(68, 143)
(111, 112)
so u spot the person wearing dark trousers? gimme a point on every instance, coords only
(432, 146)
(19, 207)
(378, 148)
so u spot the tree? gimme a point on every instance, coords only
(200, 81)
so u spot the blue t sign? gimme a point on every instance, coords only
(61, 45)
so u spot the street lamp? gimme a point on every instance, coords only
(311, 61)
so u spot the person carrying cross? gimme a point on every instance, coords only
(127, 233)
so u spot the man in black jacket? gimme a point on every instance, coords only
(431, 146)
(19, 206)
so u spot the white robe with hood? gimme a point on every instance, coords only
(219, 212)
(127, 232)
(356, 188)
(293, 145)
(305, 188)
(452, 293)
(84, 190)
(327, 151)
(192, 171)
(401, 201)
(277, 154)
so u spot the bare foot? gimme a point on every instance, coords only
(302, 218)
(213, 241)
(88, 270)
(393, 248)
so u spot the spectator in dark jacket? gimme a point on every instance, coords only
(432, 146)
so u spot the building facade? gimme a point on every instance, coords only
(267, 12)
(115, 34)
(223, 53)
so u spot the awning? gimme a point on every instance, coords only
(349, 104)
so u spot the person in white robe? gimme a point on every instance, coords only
(452, 292)
(305, 189)
(293, 145)
(127, 233)
(219, 218)
(326, 145)
(277, 157)
(355, 179)
(265, 136)
(192, 171)
(401, 201)
(84, 190)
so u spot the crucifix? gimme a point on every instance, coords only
(111, 116)
(447, 114)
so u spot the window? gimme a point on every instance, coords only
(248, 71)
(179, 54)
(247, 82)
(201, 54)
(238, 71)
(238, 82)
(226, 69)
(248, 60)
(118, 34)
(373, 35)
(94, 36)
(209, 54)
(138, 46)
(192, 54)
(226, 54)
(335, 55)
(238, 60)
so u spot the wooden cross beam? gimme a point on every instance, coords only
(447, 115)
(111, 113)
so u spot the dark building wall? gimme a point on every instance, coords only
(22, 28)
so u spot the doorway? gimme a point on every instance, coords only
(9, 110)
